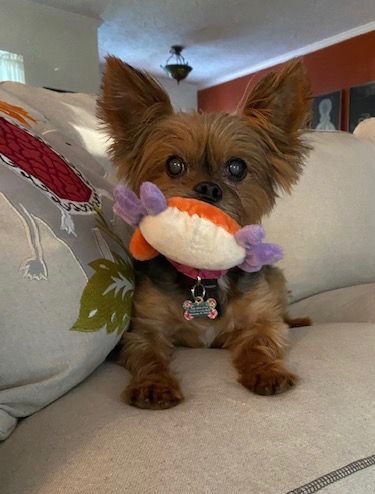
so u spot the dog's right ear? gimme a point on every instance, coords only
(130, 103)
(278, 108)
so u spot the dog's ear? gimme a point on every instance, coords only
(278, 108)
(131, 101)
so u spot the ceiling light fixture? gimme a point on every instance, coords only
(177, 68)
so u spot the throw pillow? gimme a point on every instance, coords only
(66, 279)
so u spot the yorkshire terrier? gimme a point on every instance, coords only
(239, 163)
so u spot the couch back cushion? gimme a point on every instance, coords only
(327, 225)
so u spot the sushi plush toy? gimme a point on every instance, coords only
(199, 239)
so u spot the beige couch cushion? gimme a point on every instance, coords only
(221, 440)
(350, 304)
(327, 226)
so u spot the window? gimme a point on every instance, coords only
(11, 67)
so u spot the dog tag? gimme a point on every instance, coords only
(198, 307)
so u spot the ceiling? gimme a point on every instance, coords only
(224, 39)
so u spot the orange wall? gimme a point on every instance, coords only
(338, 66)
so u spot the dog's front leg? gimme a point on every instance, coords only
(146, 355)
(257, 354)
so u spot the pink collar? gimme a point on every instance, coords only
(205, 274)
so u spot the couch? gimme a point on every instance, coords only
(318, 437)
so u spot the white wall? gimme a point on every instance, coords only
(59, 48)
(183, 95)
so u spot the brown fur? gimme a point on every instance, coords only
(266, 135)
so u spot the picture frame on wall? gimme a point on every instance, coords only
(361, 104)
(326, 111)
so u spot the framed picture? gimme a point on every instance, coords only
(326, 111)
(362, 104)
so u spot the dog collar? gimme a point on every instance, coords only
(204, 299)
(194, 273)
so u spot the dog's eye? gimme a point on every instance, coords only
(236, 169)
(175, 166)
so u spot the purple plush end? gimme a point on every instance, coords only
(258, 254)
(152, 198)
(249, 235)
(128, 206)
(268, 253)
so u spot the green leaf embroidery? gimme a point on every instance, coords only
(107, 298)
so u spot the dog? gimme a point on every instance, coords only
(239, 163)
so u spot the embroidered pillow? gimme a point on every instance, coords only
(66, 280)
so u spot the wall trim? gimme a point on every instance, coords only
(299, 52)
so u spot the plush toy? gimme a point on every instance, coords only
(198, 238)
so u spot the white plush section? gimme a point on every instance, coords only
(327, 225)
(191, 240)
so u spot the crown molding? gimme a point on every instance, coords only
(299, 52)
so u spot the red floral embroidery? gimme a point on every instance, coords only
(36, 158)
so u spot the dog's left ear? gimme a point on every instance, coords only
(278, 108)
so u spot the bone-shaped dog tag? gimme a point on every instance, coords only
(199, 307)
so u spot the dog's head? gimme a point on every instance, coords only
(237, 162)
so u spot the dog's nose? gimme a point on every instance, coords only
(209, 191)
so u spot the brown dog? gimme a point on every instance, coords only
(236, 162)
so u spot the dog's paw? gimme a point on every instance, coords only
(268, 380)
(158, 393)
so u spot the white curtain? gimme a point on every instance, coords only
(11, 67)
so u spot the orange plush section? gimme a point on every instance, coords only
(140, 249)
(204, 210)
